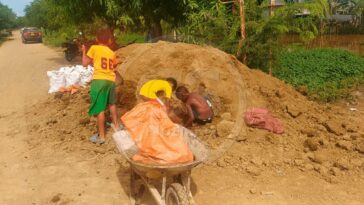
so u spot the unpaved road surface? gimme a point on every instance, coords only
(39, 172)
(50, 176)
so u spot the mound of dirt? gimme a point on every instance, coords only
(323, 139)
(206, 70)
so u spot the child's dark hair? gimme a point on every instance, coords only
(173, 82)
(181, 90)
(104, 35)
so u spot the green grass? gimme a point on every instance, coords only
(125, 38)
(55, 39)
(2, 39)
(325, 74)
(53, 42)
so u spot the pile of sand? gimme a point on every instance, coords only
(320, 138)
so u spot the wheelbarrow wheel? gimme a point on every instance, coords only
(136, 189)
(176, 195)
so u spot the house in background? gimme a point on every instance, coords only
(275, 4)
(342, 14)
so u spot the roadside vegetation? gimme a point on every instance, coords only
(7, 22)
(3, 37)
(248, 29)
(324, 74)
(7, 18)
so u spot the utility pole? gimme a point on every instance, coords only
(272, 3)
(242, 28)
(241, 4)
(271, 13)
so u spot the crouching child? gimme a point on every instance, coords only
(199, 108)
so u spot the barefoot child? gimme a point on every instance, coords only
(199, 108)
(102, 90)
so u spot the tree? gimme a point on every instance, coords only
(173, 12)
(113, 12)
(241, 5)
(47, 14)
(86, 11)
(221, 24)
(7, 17)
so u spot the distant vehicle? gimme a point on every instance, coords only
(72, 49)
(31, 34)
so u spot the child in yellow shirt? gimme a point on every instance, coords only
(161, 91)
(102, 90)
(151, 89)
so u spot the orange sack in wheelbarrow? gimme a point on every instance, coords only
(159, 140)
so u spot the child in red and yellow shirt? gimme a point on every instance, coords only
(102, 91)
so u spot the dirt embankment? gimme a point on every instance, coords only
(322, 139)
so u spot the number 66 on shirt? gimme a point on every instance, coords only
(107, 63)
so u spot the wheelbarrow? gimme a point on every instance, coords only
(168, 184)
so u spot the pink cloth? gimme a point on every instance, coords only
(261, 118)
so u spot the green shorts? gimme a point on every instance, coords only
(102, 94)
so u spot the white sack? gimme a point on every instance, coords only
(72, 77)
(124, 143)
(56, 81)
(68, 76)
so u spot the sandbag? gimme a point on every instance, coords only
(159, 140)
(56, 81)
(66, 78)
(124, 143)
(85, 75)
(72, 77)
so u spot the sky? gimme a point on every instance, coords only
(16, 5)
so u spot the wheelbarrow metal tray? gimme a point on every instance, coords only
(199, 150)
(174, 179)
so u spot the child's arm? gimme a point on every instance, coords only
(118, 61)
(85, 59)
(174, 117)
(191, 117)
(118, 79)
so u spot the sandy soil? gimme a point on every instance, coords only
(45, 157)
(30, 175)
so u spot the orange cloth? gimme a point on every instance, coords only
(159, 140)
(104, 62)
(72, 89)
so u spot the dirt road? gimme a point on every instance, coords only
(28, 177)
(43, 171)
